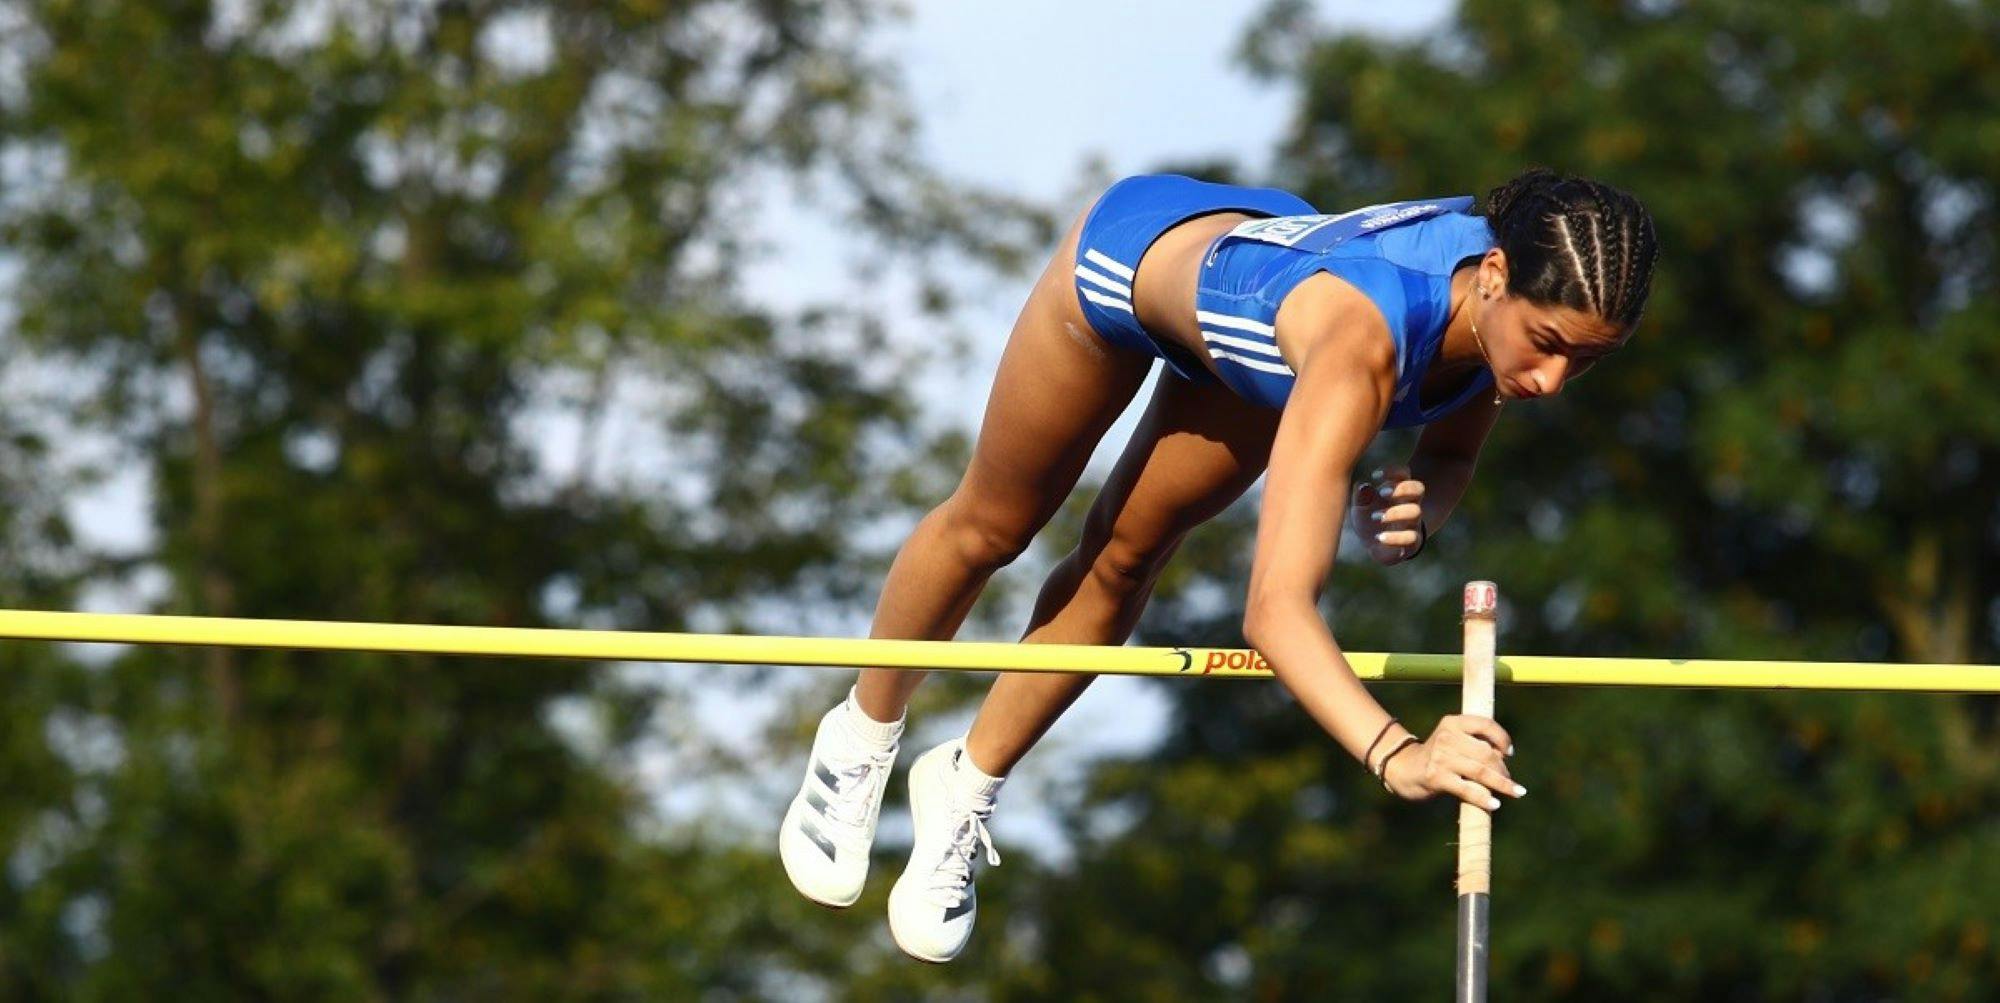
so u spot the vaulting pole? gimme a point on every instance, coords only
(1475, 825)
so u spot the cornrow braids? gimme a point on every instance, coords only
(1575, 242)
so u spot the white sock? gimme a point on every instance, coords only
(878, 734)
(970, 779)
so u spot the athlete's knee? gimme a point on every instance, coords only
(1125, 563)
(986, 536)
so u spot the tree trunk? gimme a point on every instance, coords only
(214, 590)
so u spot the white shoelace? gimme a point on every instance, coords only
(954, 873)
(855, 792)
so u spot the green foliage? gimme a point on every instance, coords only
(37, 811)
(358, 287)
(1794, 458)
(330, 275)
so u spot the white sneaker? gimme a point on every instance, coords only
(933, 904)
(830, 826)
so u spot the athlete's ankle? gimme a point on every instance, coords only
(866, 728)
(966, 777)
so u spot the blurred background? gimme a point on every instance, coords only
(675, 316)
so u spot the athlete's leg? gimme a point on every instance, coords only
(1059, 387)
(1196, 451)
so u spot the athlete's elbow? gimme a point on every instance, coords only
(1253, 628)
(1268, 615)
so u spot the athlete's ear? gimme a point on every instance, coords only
(1491, 280)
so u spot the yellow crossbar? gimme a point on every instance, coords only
(964, 656)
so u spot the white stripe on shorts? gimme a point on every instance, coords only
(1235, 323)
(1097, 278)
(1244, 360)
(1107, 264)
(1102, 300)
(1260, 347)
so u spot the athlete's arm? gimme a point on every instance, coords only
(1339, 346)
(1346, 367)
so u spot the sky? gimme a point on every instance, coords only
(1035, 98)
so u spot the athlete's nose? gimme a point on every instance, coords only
(1552, 384)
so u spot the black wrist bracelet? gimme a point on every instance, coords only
(1369, 756)
(1382, 772)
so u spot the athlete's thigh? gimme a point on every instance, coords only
(1198, 448)
(1059, 387)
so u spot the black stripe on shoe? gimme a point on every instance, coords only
(819, 839)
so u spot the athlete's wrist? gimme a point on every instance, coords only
(1394, 750)
(1368, 755)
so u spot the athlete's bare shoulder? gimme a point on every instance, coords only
(1326, 313)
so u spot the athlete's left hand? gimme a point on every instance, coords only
(1387, 511)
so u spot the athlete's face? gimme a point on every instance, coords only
(1534, 348)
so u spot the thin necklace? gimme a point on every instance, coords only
(1497, 399)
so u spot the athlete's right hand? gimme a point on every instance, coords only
(1387, 512)
(1464, 758)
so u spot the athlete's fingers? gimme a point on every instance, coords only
(1484, 728)
(1472, 746)
(1501, 783)
(1379, 481)
(1398, 538)
(1473, 793)
(1494, 778)
(1403, 490)
(1367, 500)
(1478, 764)
(1365, 496)
(1398, 513)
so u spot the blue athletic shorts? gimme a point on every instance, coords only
(1125, 222)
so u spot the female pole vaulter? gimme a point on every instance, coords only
(1290, 338)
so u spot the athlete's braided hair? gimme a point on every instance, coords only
(1576, 242)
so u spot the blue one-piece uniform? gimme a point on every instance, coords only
(1400, 255)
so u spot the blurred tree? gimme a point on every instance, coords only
(358, 287)
(44, 744)
(1794, 458)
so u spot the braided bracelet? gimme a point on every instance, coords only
(1382, 770)
(1368, 756)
